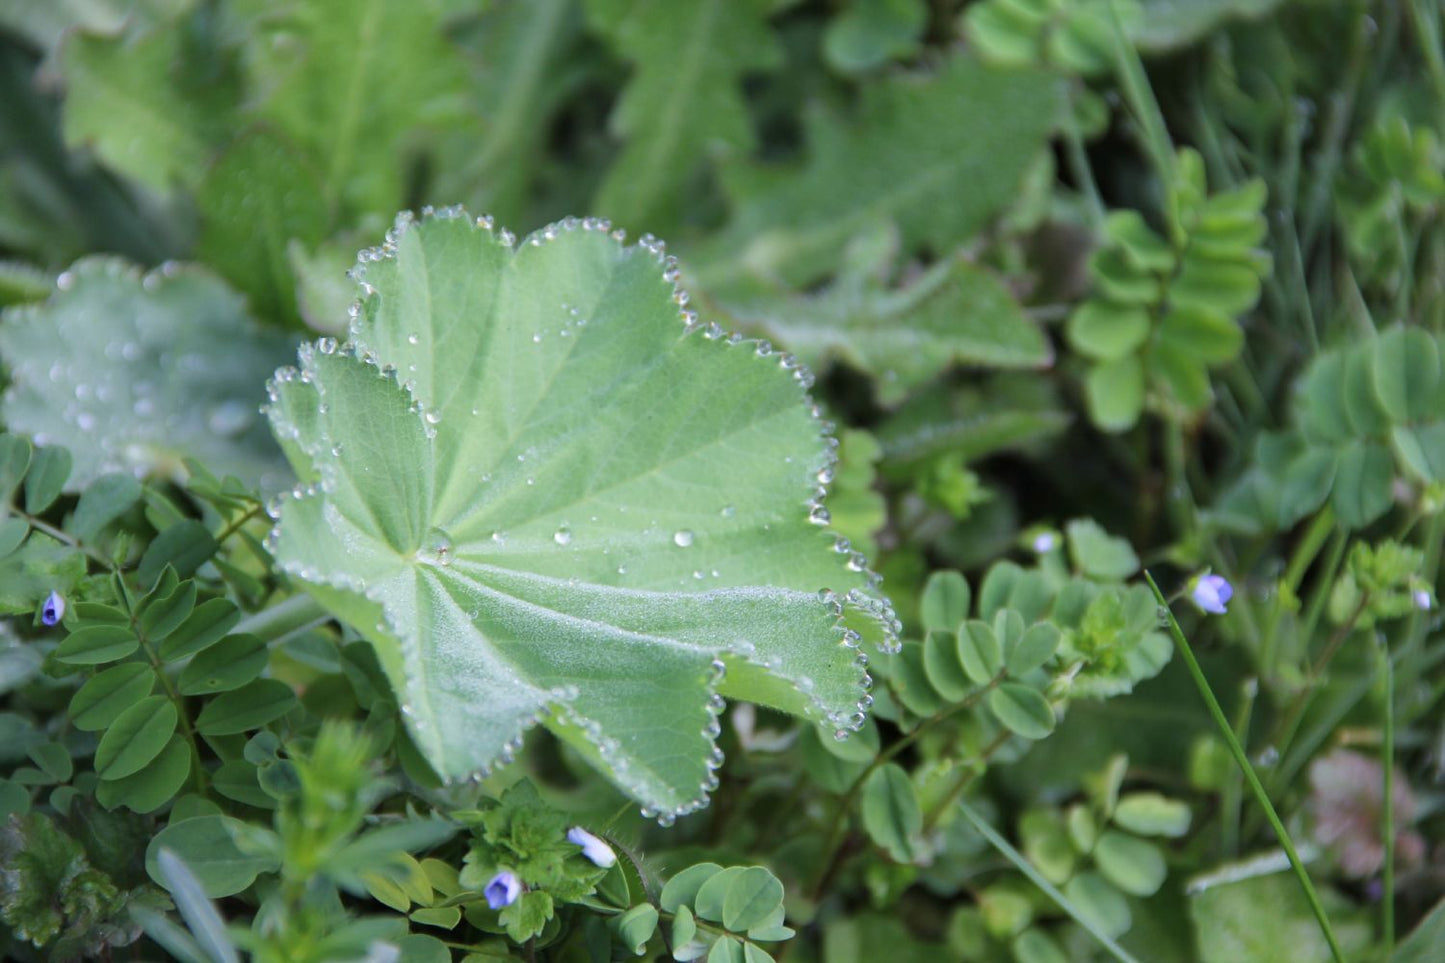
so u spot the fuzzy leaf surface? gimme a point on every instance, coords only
(136, 373)
(937, 154)
(685, 96)
(563, 503)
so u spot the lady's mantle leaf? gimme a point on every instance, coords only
(545, 494)
(136, 373)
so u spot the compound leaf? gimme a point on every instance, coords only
(542, 494)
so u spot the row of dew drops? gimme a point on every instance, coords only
(875, 606)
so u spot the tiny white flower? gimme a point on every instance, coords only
(1422, 599)
(593, 848)
(1044, 542)
(1211, 593)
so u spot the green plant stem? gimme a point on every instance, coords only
(1140, 97)
(1334, 554)
(1387, 763)
(1021, 863)
(1309, 547)
(1242, 761)
(965, 778)
(296, 614)
(1233, 790)
(198, 772)
(834, 837)
(1078, 161)
(65, 538)
(236, 524)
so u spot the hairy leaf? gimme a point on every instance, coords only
(352, 82)
(938, 154)
(684, 99)
(134, 373)
(543, 494)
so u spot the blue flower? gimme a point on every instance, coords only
(1422, 600)
(1211, 593)
(503, 889)
(53, 610)
(593, 848)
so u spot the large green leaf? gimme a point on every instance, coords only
(685, 97)
(952, 313)
(154, 106)
(136, 373)
(938, 154)
(353, 83)
(546, 493)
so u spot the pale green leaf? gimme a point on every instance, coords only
(684, 98)
(146, 103)
(355, 84)
(571, 507)
(954, 313)
(938, 154)
(134, 373)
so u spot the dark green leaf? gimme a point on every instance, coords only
(136, 737)
(207, 624)
(102, 502)
(104, 696)
(159, 617)
(14, 462)
(227, 665)
(1363, 476)
(210, 852)
(249, 707)
(12, 533)
(1406, 374)
(96, 644)
(49, 471)
(917, 141)
(152, 786)
(185, 546)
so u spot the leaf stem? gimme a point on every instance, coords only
(1244, 765)
(1387, 761)
(834, 837)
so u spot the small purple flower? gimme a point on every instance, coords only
(503, 889)
(1211, 593)
(1422, 600)
(593, 848)
(1044, 543)
(53, 610)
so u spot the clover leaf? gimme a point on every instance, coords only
(545, 492)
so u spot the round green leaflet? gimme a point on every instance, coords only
(545, 492)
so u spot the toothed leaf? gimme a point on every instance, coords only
(135, 373)
(541, 495)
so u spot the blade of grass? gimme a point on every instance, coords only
(1237, 750)
(1387, 751)
(1027, 868)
